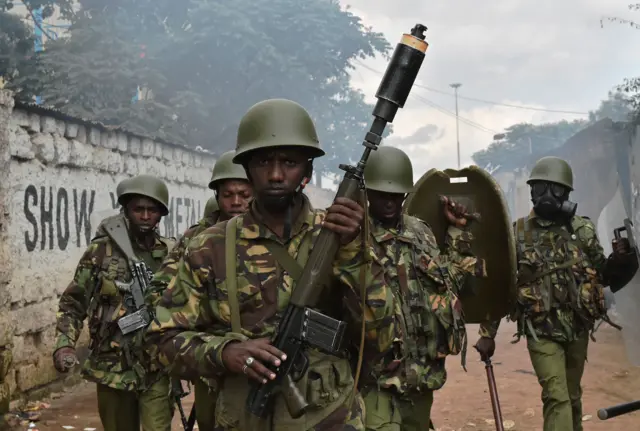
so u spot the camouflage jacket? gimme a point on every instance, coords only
(193, 321)
(562, 270)
(114, 360)
(428, 313)
(167, 271)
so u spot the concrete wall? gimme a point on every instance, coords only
(57, 181)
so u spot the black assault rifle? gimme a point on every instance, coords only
(301, 326)
(140, 316)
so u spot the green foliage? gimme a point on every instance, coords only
(631, 86)
(205, 63)
(16, 45)
(514, 150)
(48, 6)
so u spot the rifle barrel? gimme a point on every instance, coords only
(618, 410)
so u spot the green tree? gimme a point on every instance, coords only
(48, 6)
(630, 86)
(16, 45)
(617, 106)
(205, 63)
(522, 141)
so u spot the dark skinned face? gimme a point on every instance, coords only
(143, 213)
(234, 197)
(275, 175)
(385, 207)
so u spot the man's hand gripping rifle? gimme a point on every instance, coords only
(301, 326)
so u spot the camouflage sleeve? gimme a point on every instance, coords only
(378, 300)
(167, 271)
(458, 257)
(489, 329)
(74, 302)
(593, 249)
(176, 338)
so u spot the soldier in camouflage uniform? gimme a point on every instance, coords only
(232, 196)
(398, 386)
(562, 271)
(200, 332)
(130, 391)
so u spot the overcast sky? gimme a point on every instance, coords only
(550, 54)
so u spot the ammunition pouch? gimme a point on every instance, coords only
(327, 385)
(442, 312)
(557, 275)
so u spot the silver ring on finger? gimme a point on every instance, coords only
(244, 369)
(249, 361)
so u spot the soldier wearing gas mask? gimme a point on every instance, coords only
(562, 271)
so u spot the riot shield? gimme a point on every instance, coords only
(625, 310)
(489, 298)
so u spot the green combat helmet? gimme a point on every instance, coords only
(211, 206)
(121, 186)
(276, 123)
(389, 170)
(552, 169)
(148, 186)
(225, 169)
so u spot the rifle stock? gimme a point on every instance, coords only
(292, 337)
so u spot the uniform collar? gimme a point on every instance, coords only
(210, 219)
(253, 226)
(382, 234)
(542, 222)
(157, 245)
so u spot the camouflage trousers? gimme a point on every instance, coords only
(559, 368)
(341, 419)
(205, 398)
(128, 411)
(386, 411)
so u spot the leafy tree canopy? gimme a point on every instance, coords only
(48, 6)
(523, 141)
(202, 64)
(631, 86)
(16, 45)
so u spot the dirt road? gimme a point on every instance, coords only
(463, 404)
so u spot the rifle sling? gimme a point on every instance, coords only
(522, 280)
(291, 265)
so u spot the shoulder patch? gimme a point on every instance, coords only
(579, 222)
(415, 223)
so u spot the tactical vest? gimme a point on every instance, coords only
(432, 320)
(110, 301)
(554, 271)
(328, 382)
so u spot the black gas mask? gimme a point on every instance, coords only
(551, 201)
